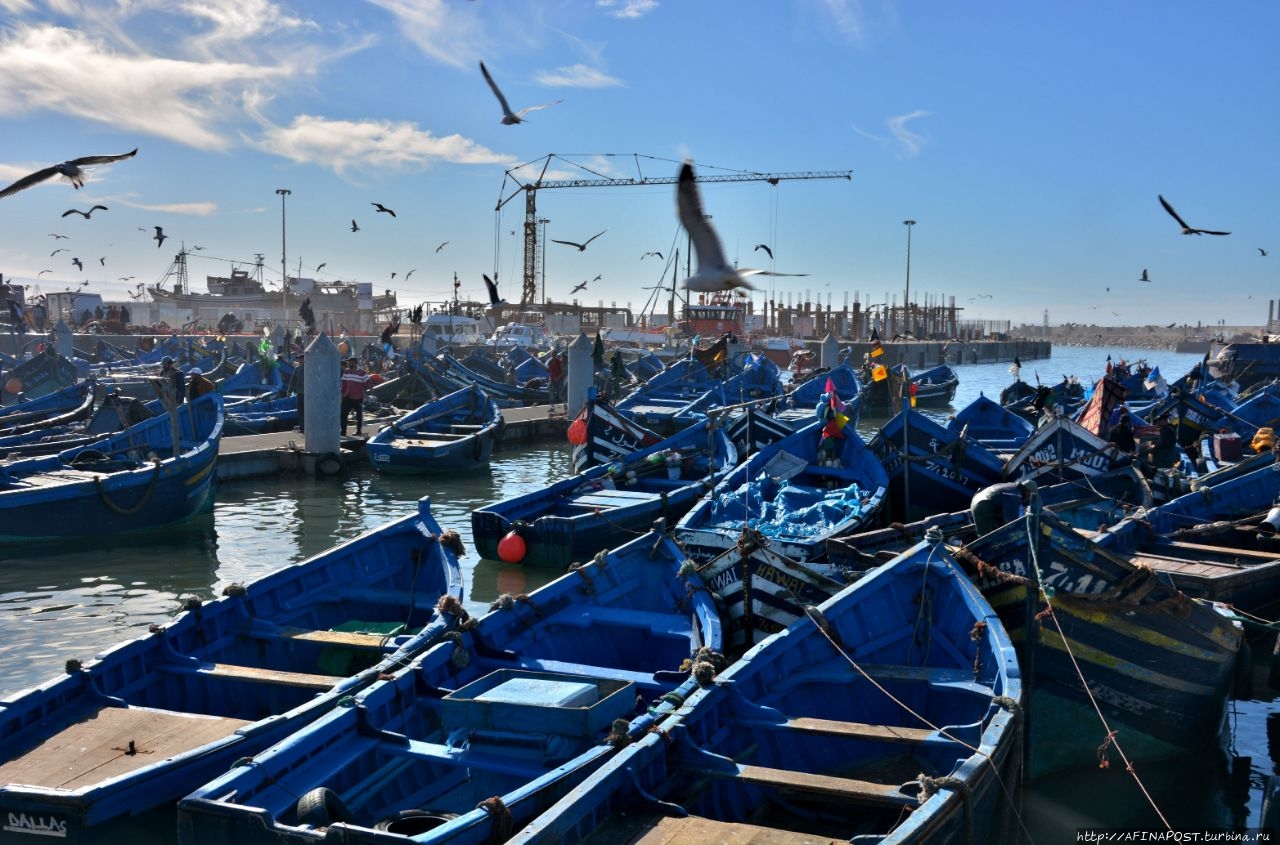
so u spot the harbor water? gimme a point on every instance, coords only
(73, 599)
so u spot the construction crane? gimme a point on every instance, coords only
(529, 291)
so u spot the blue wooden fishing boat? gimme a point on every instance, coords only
(935, 387)
(42, 374)
(497, 389)
(668, 406)
(751, 428)
(1218, 542)
(799, 403)
(261, 416)
(485, 731)
(1100, 635)
(889, 714)
(60, 407)
(601, 435)
(251, 381)
(991, 424)
(599, 508)
(931, 469)
(796, 492)
(657, 403)
(148, 721)
(1060, 450)
(454, 433)
(156, 472)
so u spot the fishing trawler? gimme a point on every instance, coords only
(352, 306)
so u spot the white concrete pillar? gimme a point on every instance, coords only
(321, 373)
(63, 340)
(579, 375)
(829, 354)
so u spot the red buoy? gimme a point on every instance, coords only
(511, 548)
(578, 432)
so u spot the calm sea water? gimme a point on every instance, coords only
(72, 600)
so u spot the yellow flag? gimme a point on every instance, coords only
(879, 373)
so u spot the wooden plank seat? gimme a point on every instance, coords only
(96, 746)
(856, 730)
(466, 428)
(254, 674)
(347, 639)
(635, 828)
(847, 789)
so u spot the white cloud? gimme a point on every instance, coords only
(848, 17)
(911, 143)
(627, 8)
(348, 146)
(578, 76)
(446, 32)
(60, 70)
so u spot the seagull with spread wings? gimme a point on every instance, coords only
(441, 246)
(714, 272)
(159, 237)
(354, 227)
(579, 286)
(85, 214)
(765, 248)
(73, 170)
(382, 207)
(1144, 277)
(492, 286)
(1186, 230)
(510, 118)
(652, 252)
(581, 246)
(79, 264)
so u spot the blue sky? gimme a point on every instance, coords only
(1028, 140)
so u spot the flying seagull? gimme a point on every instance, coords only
(72, 170)
(652, 252)
(322, 263)
(127, 278)
(382, 207)
(580, 246)
(579, 286)
(159, 237)
(410, 273)
(714, 273)
(78, 263)
(494, 299)
(1261, 250)
(42, 272)
(64, 237)
(103, 261)
(510, 118)
(1143, 277)
(56, 251)
(354, 227)
(1187, 230)
(84, 214)
(441, 246)
(765, 248)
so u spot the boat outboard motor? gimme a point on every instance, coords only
(997, 505)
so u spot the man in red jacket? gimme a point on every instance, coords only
(354, 380)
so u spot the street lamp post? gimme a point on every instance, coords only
(544, 221)
(906, 294)
(284, 263)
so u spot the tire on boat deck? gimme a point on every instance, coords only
(413, 822)
(322, 807)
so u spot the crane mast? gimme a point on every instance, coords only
(529, 290)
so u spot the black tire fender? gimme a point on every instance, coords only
(413, 822)
(330, 463)
(322, 807)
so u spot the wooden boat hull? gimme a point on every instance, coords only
(455, 433)
(115, 484)
(602, 507)
(830, 731)
(147, 721)
(1159, 665)
(450, 734)
(840, 499)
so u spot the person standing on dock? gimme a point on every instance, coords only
(555, 378)
(354, 382)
